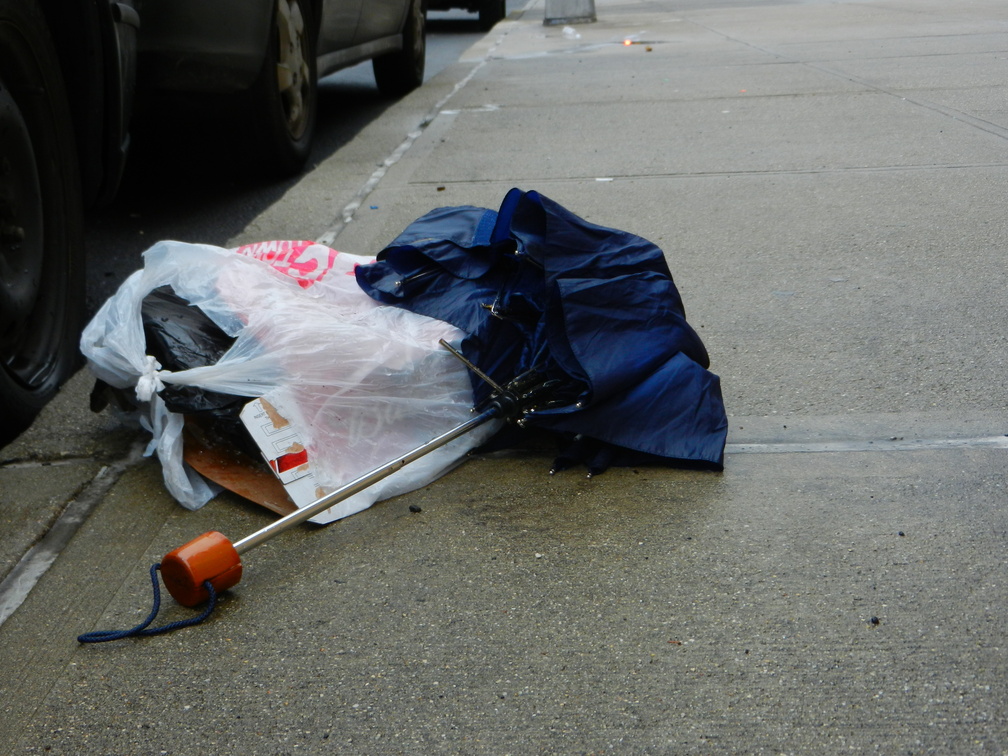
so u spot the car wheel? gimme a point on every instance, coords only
(284, 99)
(41, 229)
(490, 12)
(402, 71)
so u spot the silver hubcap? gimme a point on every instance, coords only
(293, 71)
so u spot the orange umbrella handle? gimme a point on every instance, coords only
(211, 557)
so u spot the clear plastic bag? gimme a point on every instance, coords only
(362, 383)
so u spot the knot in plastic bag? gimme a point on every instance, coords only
(149, 382)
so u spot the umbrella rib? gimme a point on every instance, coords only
(462, 358)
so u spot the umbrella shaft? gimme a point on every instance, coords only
(358, 485)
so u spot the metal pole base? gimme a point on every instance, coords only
(569, 12)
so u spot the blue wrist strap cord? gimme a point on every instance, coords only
(101, 636)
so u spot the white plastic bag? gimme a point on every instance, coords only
(361, 383)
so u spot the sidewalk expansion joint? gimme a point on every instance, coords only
(719, 174)
(879, 445)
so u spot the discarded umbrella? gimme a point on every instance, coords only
(587, 317)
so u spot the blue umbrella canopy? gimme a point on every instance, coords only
(593, 309)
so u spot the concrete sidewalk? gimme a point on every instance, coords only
(826, 180)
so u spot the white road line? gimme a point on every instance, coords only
(347, 214)
(32, 566)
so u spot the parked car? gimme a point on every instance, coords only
(66, 85)
(490, 11)
(69, 73)
(273, 52)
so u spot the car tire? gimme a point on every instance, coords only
(284, 99)
(401, 72)
(42, 285)
(490, 12)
